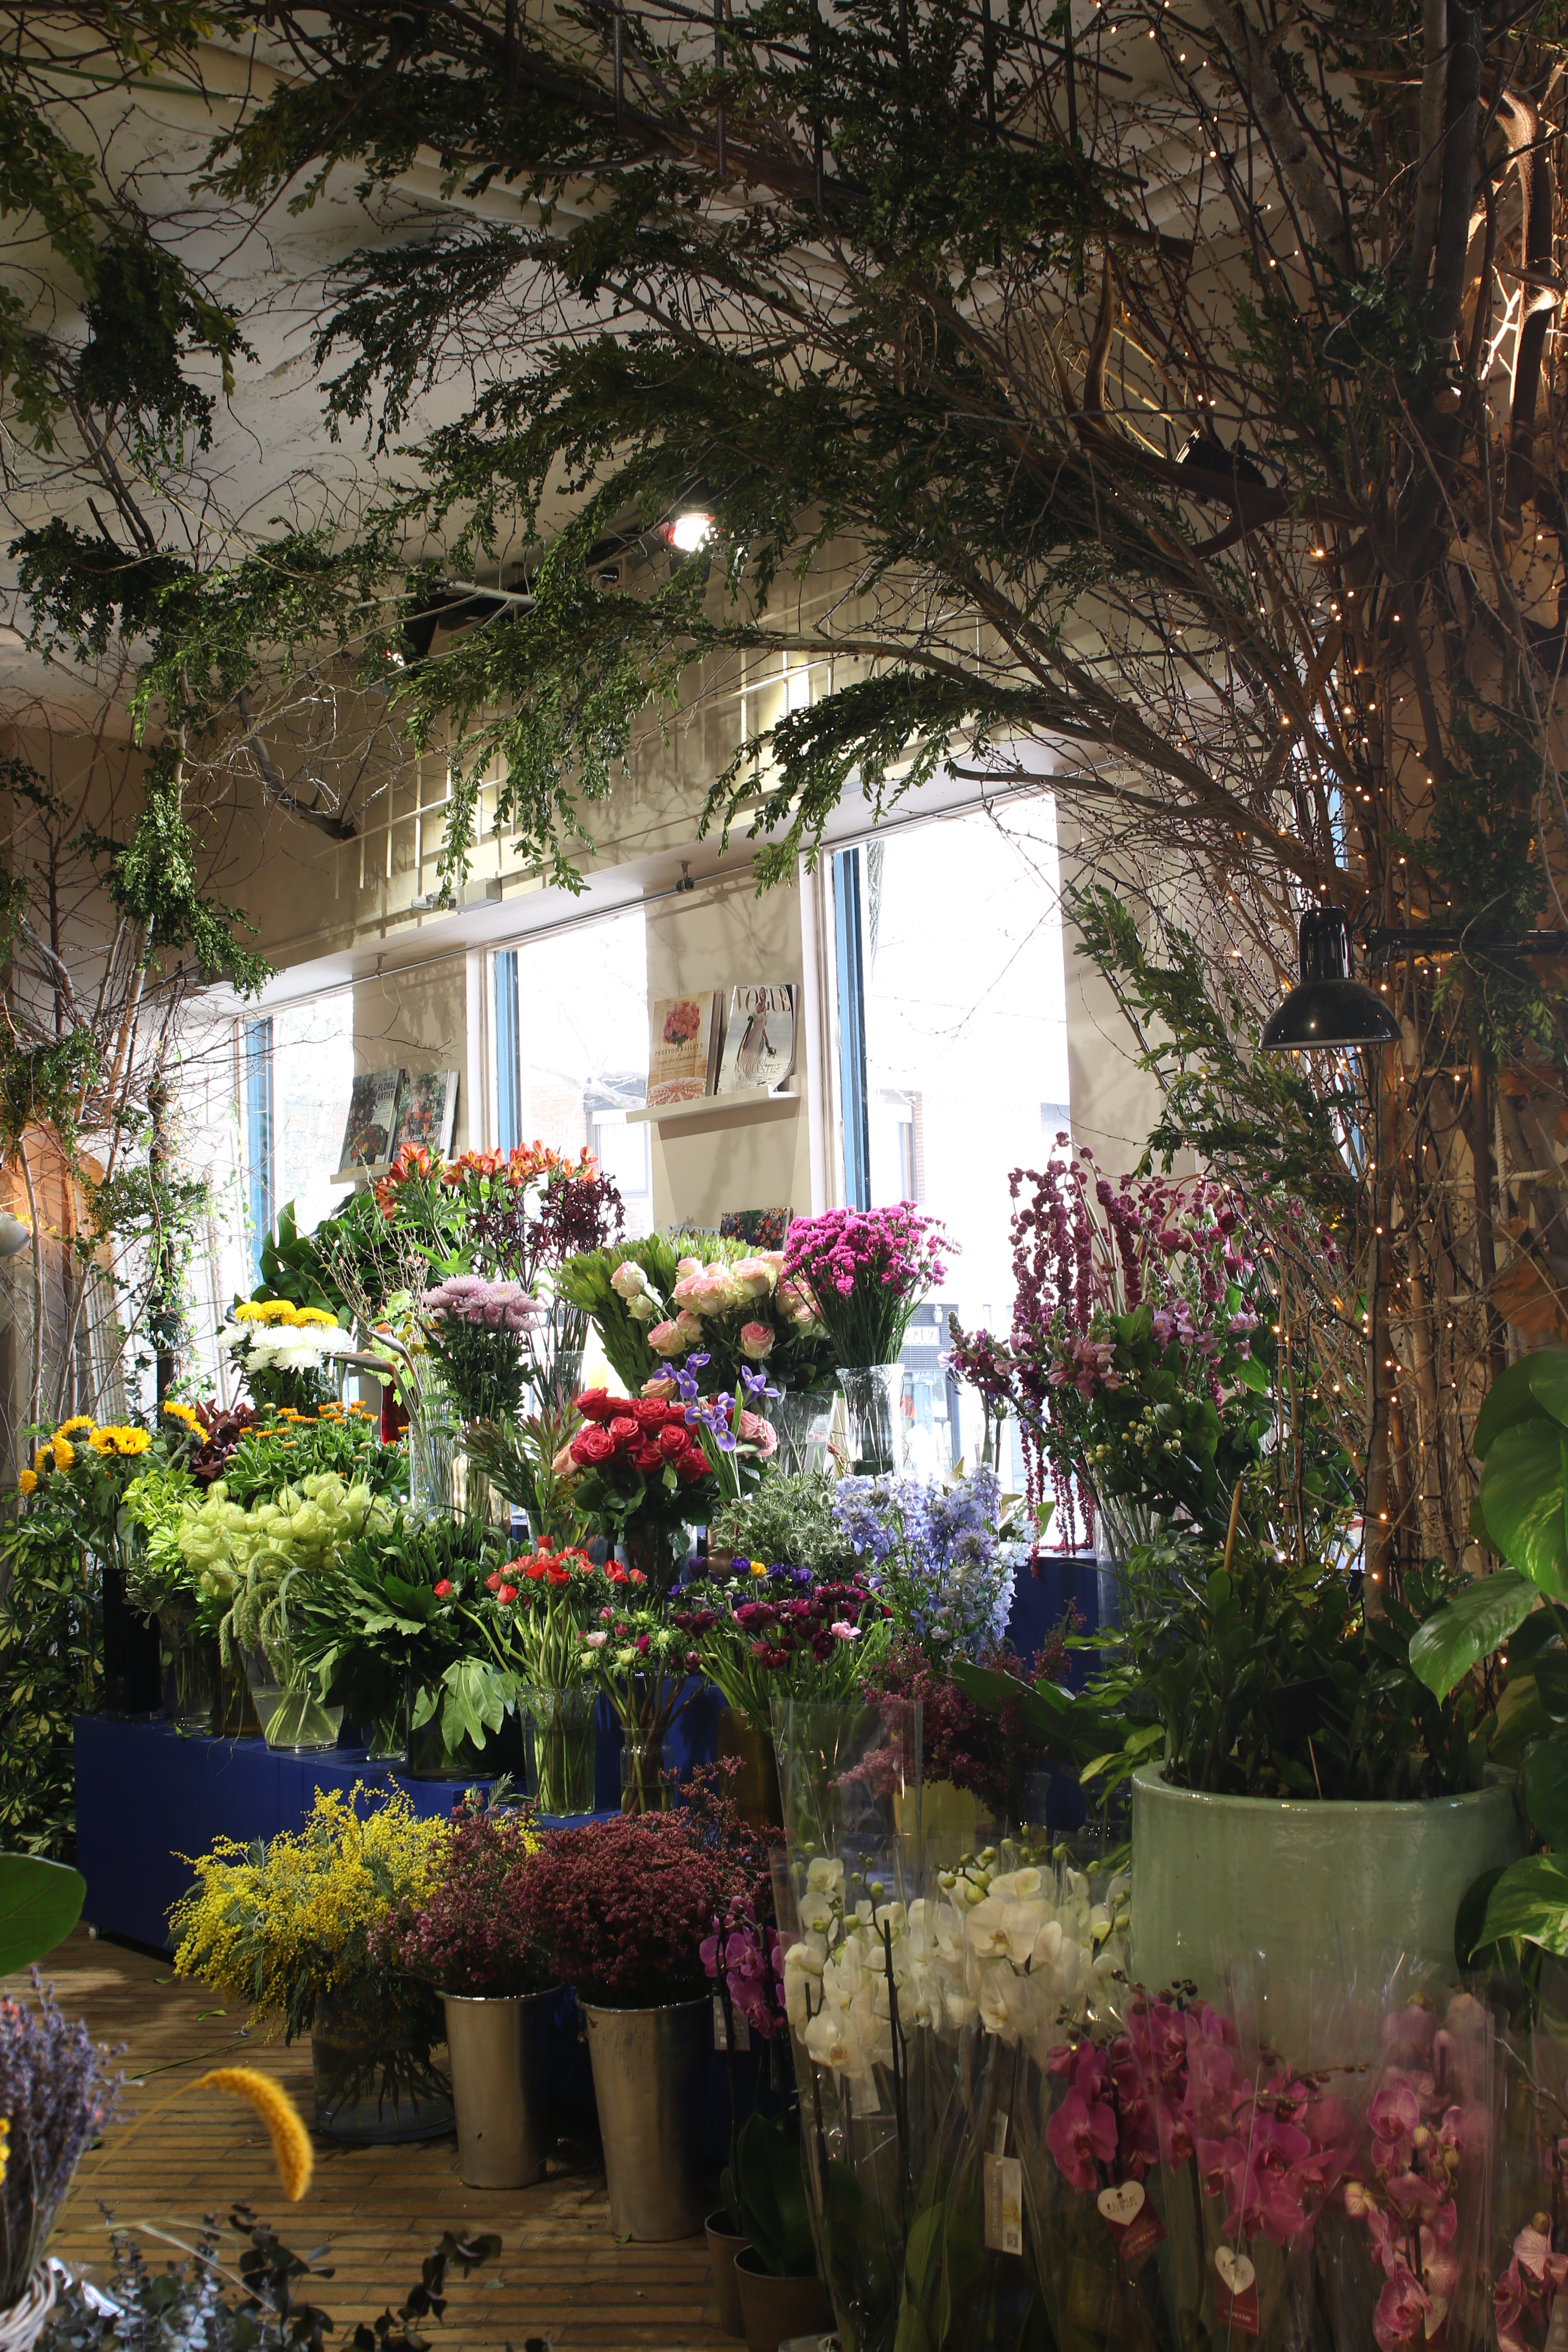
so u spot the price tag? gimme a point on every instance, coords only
(1236, 2292)
(742, 2030)
(1130, 2218)
(1004, 2191)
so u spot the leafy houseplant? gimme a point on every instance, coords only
(292, 1927)
(1508, 1632)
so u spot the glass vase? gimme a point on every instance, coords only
(869, 1425)
(563, 1745)
(373, 2066)
(644, 1787)
(234, 1715)
(189, 1663)
(801, 1421)
(435, 1437)
(293, 1719)
(388, 1741)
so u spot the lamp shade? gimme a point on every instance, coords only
(1327, 1007)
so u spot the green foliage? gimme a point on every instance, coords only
(152, 880)
(786, 1519)
(1268, 1679)
(50, 1670)
(1253, 1118)
(143, 312)
(1469, 1628)
(1521, 1438)
(292, 1267)
(40, 1902)
(766, 2189)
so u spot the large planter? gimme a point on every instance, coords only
(497, 2052)
(648, 2071)
(1334, 1891)
(723, 2248)
(775, 2308)
(23, 2322)
(373, 2069)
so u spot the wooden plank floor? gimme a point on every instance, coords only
(560, 2275)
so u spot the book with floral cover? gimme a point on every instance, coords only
(428, 1111)
(759, 1037)
(682, 1051)
(373, 1116)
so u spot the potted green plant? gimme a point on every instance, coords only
(292, 1925)
(1296, 1789)
(623, 1908)
(1509, 1634)
(470, 1936)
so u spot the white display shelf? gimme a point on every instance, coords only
(750, 1102)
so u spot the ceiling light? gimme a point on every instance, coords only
(690, 530)
(14, 1234)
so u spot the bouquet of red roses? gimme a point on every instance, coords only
(637, 1473)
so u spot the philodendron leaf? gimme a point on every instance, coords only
(40, 1902)
(1531, 1899)
(1535, 1388)
(1546, 1791)
(1469, 1628)
(1524, 1486)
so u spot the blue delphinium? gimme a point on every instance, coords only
(936, 1556)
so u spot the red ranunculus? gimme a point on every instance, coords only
(623, 1429)
(443, 1587)
(493, 1580)
(598, 1404)
(591, 1446)
(557, 1574)
(646, 1455)
(652, 1413)
(637, 1577)
(674, 1440)
(506, 1595)
(615, 1572)
(534, 1569)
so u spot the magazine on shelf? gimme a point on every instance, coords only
(760, 1229)
(373, 1116)
(759, 1037)
(427, 1111)
(683, 1047)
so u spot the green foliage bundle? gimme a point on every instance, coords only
(50, 1671)
(787, 1517)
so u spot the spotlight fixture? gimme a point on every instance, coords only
(689, 530)
(1328, 1007)
(14, 1234)
(686, 882)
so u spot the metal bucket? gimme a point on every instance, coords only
(497, 2052)
(649, 2072)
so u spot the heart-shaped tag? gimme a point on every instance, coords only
(1121, 2204)
(1234, 2269)
(1438, 2313)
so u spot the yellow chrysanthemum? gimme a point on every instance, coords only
(264, 1311)
(291, 2141)
(27, 1480)
(78, 1420)
(317, 1317)
(177, 1412)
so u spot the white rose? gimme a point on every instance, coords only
(628, 1280)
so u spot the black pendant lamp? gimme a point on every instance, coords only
(1327, 1007)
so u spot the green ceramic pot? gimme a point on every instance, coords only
(1327, 1894)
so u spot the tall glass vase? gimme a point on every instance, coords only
(562, 1724)
(435, 1438)
(868, 1427)
(801, 1420)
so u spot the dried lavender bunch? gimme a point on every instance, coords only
(57, 2094)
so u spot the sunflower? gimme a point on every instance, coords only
(177, 1412)
(121, 1441)
(78, 1420)
(59, 1452)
